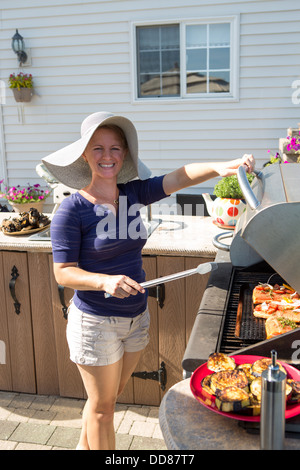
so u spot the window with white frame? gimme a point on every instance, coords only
(187, 59)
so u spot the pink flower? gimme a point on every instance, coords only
(32, 193)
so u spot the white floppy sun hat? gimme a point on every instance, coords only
(69, 168)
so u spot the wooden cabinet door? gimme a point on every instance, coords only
(70, 383)
(194, 290)
(171, 319)
(170, 327)
(177, 316)
(148, 391)
(138, 390)
(5, 365)
(20, 345)
(42, 324)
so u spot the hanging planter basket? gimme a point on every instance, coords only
(23, 95)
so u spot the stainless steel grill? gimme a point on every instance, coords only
(266, 241)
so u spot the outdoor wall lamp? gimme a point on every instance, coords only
(18, 47)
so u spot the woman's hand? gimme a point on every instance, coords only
(70, 275)
(121, 286)
(230, 168)
(196, 173)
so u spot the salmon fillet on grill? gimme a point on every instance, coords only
(287, 309)
(277, 325)
(267, 293)
(264, 310)
(279, 306)
(289, 315)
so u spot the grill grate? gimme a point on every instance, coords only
(252, 329)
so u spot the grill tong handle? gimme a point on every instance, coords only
(249, 195)
(203, 268)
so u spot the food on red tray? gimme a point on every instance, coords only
(255, 405)
(227, 378)
(294, 397)
(247, 369)
(278, 324)
(232, 399)
(219, 361)
(262, 364)
(205, 383)
(239, 390)
(268, 293)
(255, 389)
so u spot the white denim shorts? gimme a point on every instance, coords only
(98, 340)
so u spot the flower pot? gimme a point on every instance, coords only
(27, 206)
(225, 211)
(23, 95)
(228, 211)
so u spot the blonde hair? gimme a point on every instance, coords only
(118, 131)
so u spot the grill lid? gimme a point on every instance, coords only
(269, 229)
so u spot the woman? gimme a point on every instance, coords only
(94, 253)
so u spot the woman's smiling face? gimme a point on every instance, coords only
(105, 153)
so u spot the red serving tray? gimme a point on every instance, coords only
(209, 400)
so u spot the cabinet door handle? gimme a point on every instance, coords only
(12, 285)
(159, 293)
(61, 292)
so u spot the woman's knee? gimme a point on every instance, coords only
(106, 408)
(104, 417)
(103, 413)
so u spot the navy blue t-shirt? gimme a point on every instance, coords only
(100, 241)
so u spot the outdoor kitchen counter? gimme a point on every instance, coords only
(175, 235)
(187, 425)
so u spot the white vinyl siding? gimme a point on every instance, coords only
(82, 62)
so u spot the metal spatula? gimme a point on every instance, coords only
(201, 269)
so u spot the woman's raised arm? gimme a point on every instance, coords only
(196, 173)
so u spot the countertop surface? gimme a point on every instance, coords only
(175, 235)
(188, 425)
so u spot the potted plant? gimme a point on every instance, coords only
(290, 149)
(229, 205)
(273, 159)
(23, 199)
(294, 146)
(22, 86)
(294, 143)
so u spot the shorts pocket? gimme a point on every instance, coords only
(144, 322)
(107, 343)
(144, 325)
